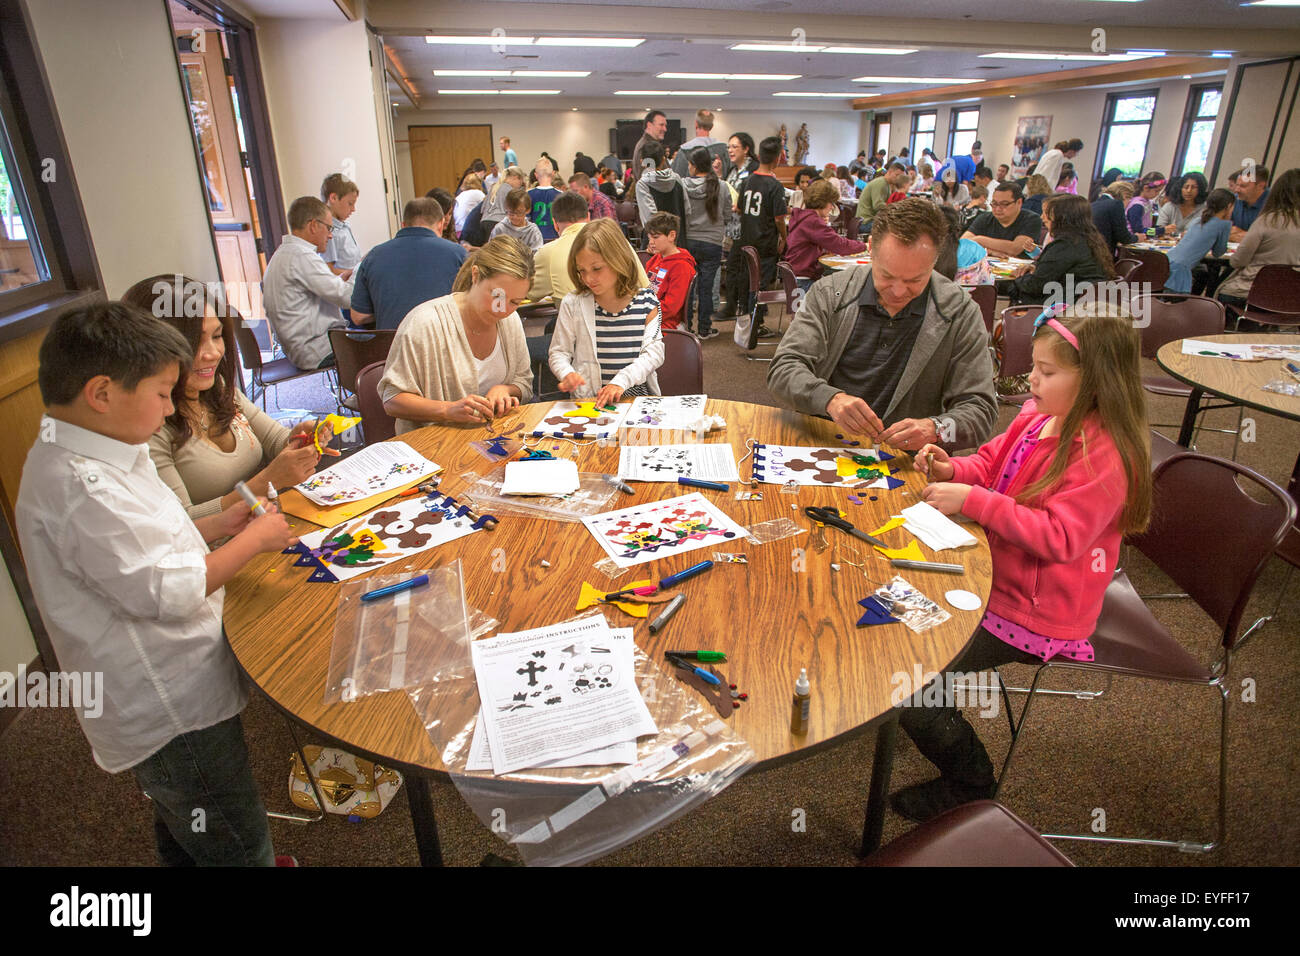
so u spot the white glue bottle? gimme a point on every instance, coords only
(801, 705)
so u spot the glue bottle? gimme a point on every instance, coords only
(801, 705)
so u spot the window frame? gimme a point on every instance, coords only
(57, 217)
(1191, 115)
(952, 125)
(877, 120)
(1108, 121)
(912, 152)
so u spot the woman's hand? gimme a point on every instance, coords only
(947, 496)
(501, 399)
(571, 382)
(608, 395)
(943, 468)
(472, 409)
(291, 466)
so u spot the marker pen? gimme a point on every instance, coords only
(699, 483)
(673, 607)
(697, 671)
(690, 572)
(250, 499)
(698, 655)
(926, 566)
(415, 582)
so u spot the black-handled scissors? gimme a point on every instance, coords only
(831, 517)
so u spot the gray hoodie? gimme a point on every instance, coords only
(699, 227)
(681, 162)
(949, 374)
(660, 181)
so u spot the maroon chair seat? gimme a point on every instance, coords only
(376, 423)
(1274, 297)
(1017, 324)
(683, 370)
(354, 349)
(982, 833)
(1163, 448)
(986, 297)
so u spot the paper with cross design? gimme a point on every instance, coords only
(662, 529)
(823, 466)
(557, 691)
(709, 462)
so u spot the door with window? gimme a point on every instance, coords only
(213, 108)
(439, 154)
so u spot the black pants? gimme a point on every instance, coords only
(942, 734)
(737, 286)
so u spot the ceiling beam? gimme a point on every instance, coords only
(394, 69)
(1149, 69)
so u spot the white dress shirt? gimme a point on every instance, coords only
(119, 574)
(303, 299)
(342, 248)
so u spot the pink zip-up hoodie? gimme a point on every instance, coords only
(1051, 561)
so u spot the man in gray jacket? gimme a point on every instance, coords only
(892, 350)
(703, 129)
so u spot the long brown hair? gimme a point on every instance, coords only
(605, 239)
(1072, 216)
(1110, 388)
(183, 303)
(1282, 206)
(504, 255)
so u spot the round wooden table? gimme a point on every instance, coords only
(784, 610)
(836, 263)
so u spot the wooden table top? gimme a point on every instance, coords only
(1232, 379)
(770, 617)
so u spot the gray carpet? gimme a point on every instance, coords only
(1145, 754)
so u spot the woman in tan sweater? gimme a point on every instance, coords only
(464, 358)
(216, 436)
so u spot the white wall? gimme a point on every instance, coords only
(17, 647)
(318, 91)
(112, 72)
(1074, 113)
(834, 136)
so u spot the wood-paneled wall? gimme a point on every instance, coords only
(20, 412)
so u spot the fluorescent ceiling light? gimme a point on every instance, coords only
(530, 92)
(591, 41)
(672, 92)
(1274, 3)
(843, 96)
(1221, 53)
(479, 41)
(925, 80)
(495, 92)
(551, 73)
(869, 50)
(729, 76)
(1102, 57)
(1148, 52)
(778, 47)
(468, 92)
(471, 72)
(505, 40)
(517, 73)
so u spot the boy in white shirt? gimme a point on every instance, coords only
(128, 589)
(341, 252)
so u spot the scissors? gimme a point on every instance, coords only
(829, 516)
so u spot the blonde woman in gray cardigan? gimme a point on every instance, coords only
(607, 341)
(463, 358)
(216, 437)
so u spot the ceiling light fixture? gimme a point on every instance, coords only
(925, 80)
(672, 92)
(729, 76)
(506, 40)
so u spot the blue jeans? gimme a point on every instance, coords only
(206, 770)
(708, 260)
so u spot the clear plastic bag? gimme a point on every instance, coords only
(1283, 387)
(910, 606)
(400, 641)
(765, 532)
(571, 815)
(592, 497)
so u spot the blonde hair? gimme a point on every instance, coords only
(1120, 190)
(1037, 185)
(504, 255)
(471, 182)
(605, 239)
(514, 172)
(1109, 359)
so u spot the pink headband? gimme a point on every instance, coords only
(1065, 333)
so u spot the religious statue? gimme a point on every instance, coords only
(801, 144)
(785, 154)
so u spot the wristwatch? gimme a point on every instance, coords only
(938, 429)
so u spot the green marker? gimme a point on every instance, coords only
(698, 655)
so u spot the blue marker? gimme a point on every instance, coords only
(697, 483)
(415, 582)
(690, 572)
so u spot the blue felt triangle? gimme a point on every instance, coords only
(891, 482)
(884, 455)
(876, 613)
(322, 575)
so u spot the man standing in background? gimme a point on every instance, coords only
(703, 129)
(656, 128)
(510, 158)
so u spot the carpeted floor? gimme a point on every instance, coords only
(1144, 755)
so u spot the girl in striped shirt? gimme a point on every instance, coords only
(607, 341)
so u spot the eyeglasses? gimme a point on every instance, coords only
(1003, 205)
(324, 223)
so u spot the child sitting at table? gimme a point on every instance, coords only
(1208, 234)
(516, 224)
(128, 589)
(1056, 491)
(609, 333)
(669, 268)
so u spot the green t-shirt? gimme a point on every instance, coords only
(873, 197)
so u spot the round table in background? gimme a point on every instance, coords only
(784, 610)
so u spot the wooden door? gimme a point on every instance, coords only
(439, 154)
(212, 117)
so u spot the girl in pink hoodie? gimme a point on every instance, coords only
(1055, 493)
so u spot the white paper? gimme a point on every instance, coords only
(480, 754)
(557, 691)
(820, 465)
(934, 528)
(384, 466)
(678, 412)
(403, 528)
(580, 420)
(541, 476)
(712, 462)
(661, 529)
(1229, 350)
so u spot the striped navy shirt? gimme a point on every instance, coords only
(619, 335)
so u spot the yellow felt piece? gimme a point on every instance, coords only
(368, 539)
(584, 410)
(590, 597)
(910, 553)
(890, 525)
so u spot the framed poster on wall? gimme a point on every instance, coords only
(1032, 134)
